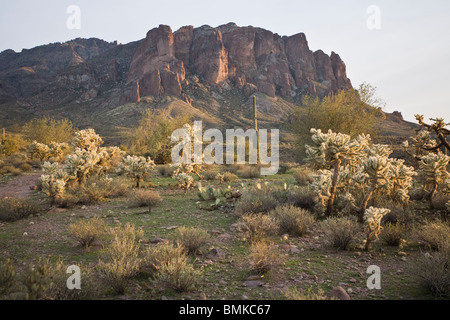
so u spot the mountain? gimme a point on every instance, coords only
(210, 73)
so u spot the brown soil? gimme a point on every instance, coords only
(19, 187)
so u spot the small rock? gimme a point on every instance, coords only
(164, 298)
(83, 208)
(157, 240)
(216, 254)
(295, 250)
(244, 297)
(252, 284)
(352, 280)
(404, 259)
(339, 293)
(56, 210)
(251, 278)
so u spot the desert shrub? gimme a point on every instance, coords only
(249, 172)
(26, 167)
(302, 198)
(255, 227)
(229, 177)
(234, 168)
(209, 175)
(46, 130)
(340, 232)
(122, 257)
(440, 201)
(434, 235)
(93, 191)
(255, 201)
(303, 177)
(393, 234)
(283, 168)
(11, 170)
(292, 220)
(36, 280)
(263, 257)
(178, 274)
(293, 293)
(165, 170)
(86, 232)
(15, 209)
(7, 276)
(398, 214)
(161, 254)
(152, 136)
(333, 112)
(433, 272)
(144, 198)
(192, 239)
(11, 144)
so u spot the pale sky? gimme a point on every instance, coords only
(407, 59)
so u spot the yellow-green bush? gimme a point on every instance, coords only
(122, 257)
(256, 227)
(144, 198)
(87, 232)
(192, 239)
(292, 220)
(264, 257)
(339, 233)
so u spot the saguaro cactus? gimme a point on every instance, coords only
(255, 123)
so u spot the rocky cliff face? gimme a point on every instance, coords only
(250, 59)
(210, 71)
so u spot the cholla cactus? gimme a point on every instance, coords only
(185, 181)
(53, 181)
(110, 157)
(400, 180)
(58, 151)
(372, 221)
(433, 168)
(220, 177)
(358, 171)
(136, 168)
(82, 164)
(333, 150)
(87, 139)
(39, 150)
(321, 187)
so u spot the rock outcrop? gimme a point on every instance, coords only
(250, 59)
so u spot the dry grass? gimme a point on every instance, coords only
(292, 220)
(254, 202)
(257, 227)
(87, 232)
(192, 239)
(264, 257)
(144, 198)
(340, 232)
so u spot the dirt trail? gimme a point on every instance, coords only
(19, 187)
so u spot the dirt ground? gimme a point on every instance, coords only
(19, 187)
